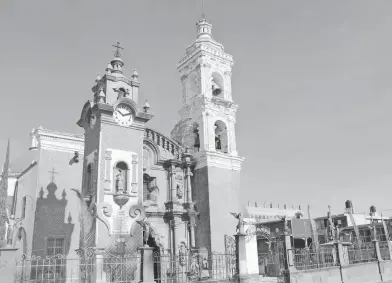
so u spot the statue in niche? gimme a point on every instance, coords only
(182, 252)
(180, 191)
(120, 184)
(218, 145)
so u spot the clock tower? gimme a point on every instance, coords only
(112, 185)
(207, 126)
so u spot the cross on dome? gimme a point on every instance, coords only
(117, 54)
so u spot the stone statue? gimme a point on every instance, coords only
(146, 228)
(10, 230)
(180, 191)
(241, 222)
(205, 272)
(331, 229)
(182, 252)
(194, 268)
(120, 182)
(218, 145)
(34, 141)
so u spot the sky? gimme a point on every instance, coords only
(312, 80)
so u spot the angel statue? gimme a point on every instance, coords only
(146, 228)
(241, 222)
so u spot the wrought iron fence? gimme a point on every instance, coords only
(193, 266)
(384, 251)
(361, 253)
(89, 267)
(310, 259)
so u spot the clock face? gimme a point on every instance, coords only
(123, 115)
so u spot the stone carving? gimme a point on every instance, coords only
(180, 186)
(194, 268)
(107, 209)
(241, 222)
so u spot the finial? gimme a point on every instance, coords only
(118, 47)
(146, 106)
(135, 75)
(202, 10)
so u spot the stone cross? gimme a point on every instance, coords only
(53, 172)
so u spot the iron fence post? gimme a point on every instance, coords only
(377, 249)
(342, 259)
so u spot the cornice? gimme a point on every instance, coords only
(42, 132)
(217, 159)
(205, 50)
(60, 141)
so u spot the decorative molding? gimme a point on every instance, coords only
(59, 141)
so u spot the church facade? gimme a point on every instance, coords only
(101, 188)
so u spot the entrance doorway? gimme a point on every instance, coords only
(156, 257)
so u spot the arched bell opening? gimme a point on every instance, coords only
(196, 135)
(217, 85)
(221, 137)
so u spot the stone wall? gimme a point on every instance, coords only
(369, 272)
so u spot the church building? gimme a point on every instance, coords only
(102, 188)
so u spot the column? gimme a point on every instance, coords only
(192, 225)
(134, 174)
(242, 267)
(148, 265)
(172, 183)
(189, 185)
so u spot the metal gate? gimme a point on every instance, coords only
(230, 248)
(277, 262)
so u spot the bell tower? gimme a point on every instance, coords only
(112, 183)
(207, 127)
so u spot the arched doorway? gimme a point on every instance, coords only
(151, 242)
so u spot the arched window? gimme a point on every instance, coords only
(121, 177)
(89, 178)
(150, 189)
(221, 139)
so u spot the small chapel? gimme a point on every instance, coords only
(122, 184)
